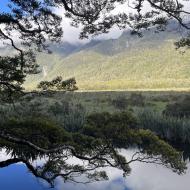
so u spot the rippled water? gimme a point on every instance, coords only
(143, 177)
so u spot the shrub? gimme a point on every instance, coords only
(178, 109)
(120, 103)
(68, 115)
(173, 129)
(137, 99)
(40, 131)
(58, 84)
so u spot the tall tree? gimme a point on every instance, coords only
(26, 26)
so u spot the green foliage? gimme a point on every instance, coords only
(59, 84)
(13, 71)
(111, 127)
(152, 145)
(120, 103)
(183, 42)
(145, 67)
(102, 134)
(178, 109)
(68, 115)
(39, 131)
(98, 140)
(137, 99)
(34, 23)
(176, 130)
(121, 130)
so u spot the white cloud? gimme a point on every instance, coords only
(71, 34)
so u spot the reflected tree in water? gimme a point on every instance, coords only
(87, 152)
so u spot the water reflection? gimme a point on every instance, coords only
(143, 177)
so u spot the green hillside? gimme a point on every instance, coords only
(125, 63)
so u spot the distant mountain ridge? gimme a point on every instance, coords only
(129, 62)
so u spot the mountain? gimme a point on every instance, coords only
(129, 62)
(64, 49)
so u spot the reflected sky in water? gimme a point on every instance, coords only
(17, 177)
(143, 177)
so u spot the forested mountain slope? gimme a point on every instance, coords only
(129, 62)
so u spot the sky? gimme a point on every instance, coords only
(3, 5)
(71, 34)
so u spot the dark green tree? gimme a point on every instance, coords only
(59, 84)
(25, 26)
(97, 144)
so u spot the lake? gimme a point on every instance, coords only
(143, 177)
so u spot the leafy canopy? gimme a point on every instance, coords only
(58, 84)
(97, 144)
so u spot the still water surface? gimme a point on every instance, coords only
(143, 177)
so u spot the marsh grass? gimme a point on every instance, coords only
(171, 128)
